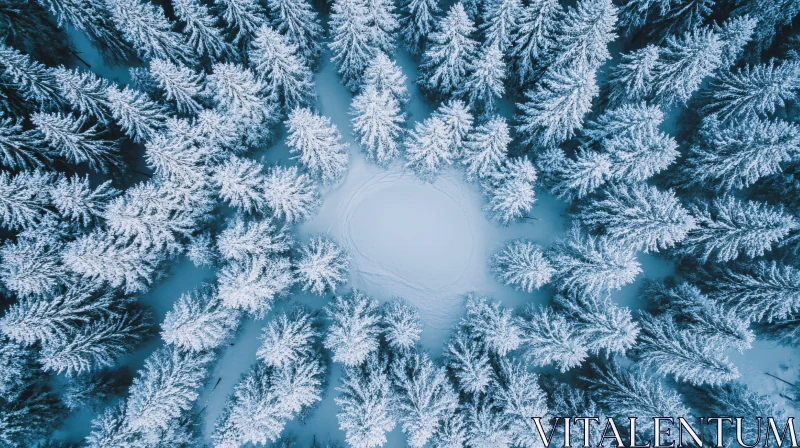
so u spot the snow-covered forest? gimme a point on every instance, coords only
(365, 223)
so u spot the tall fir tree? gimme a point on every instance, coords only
(287, 77)
(533, 38)
(352, 41)
(316, 143)
(299, 23)
(416, 22)
(449, 52)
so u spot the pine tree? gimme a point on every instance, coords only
(519, 397)
(100, 257)
(635, 120)
(737, 154)
(486, 425)
(485, 148)
(76, 142)
(366, 402)
(401, 325)
(74, 199)
(322, 266)
(639, 216)
(728, 228)
(752, 91)
(424, 397)
(353, 333)
(570, 179)
(23, 149)
(148, 30)
(200, 30)
(429, 148)
(681, 353)
(458, 120)
(298, 22)
(484, 85)
(243, 18)
(510, 190)
(452, 433)
(566, 400)
(290, 195)
(603, 327)
(217, 131)
(682, 65)
(499, 22)
(289, 339)
(376, 120)
(583, 36)
(416, 22)
(316, 143)
(24, 198)
(491, 324)
(85, 92)
(238, 92)
(449, 52)
(533, 38)
(585, 263)
(200, 250)
(31, 417)
(522, 264)
(31, 265)
(556, 106)
(632, 79)
(383, 24)
(736, 33)
(352, 43)
(469, 363)
(386, 76)
(198, 321)
(243, 240)
(34, 81)
(636, 158)
(182, 85)
(550, 339)
(253, 284)
(240, 183)
(287, 78)
(139, 117)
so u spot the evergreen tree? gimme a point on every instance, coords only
(30, 417)
(425, 397)
(386, 76)
(241, 183)
(682, 65)
(31, 265)
(253, 284)
(458, 119)
(485, 148)
(243, 18)
(449, 53)
(289, 339)
(469, 363)
(486, 424)
(632, 79)
(728, 228)
(752, 91)
(681, 353)
(148, 30)
(139, 117)
(366, 402)
(556, 106)
(519, 397)
(533, 38)
(772, 17)
(583, 36)
(635, 120)
(24, 149)
(499, 23)
(452, 433)
(376, 120)
(298, 22)
(290, 195)
(85, 92)
(484, 85)
(550, 339)
(636, 158)
(585, 263)
(510, 190)
(429, 148)
(239, 93)
(76, 142)
(491, 324)
(198, 321)
(243, 240)
(603, 327)
(35, 82)
(736, 33)
(352, 40)
(383, 23)
(322, 266)
(181, 85)
(316, 143)
(567, 400)
(287, 78)
(416, 22)
(522, 264)
(401, 325)
(639, 216)
(200, 30)
(353, 333)
(737, 154)
(24, 198)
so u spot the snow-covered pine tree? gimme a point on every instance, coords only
(522, 265)
(566, 400)
(383, 24)
(145, 26)
(429, 148)
(548, 338)
(200, 250)
(285, 74)
(298, 22)
(469, 362)
(556, 106)
(242, 18)
(452, 433)
(583, 35)
(240, 94)
(591, 264)
(485, 148)
(289, 339)
(198, 321)
(253, 284)
(637, 157)
(401, 325)
(604, 327)
(85, 92)
(322, 266)
(25, 149)
(738, 153)
(24, 198)
(486, 424)
(510, 190)
(376, 120)
(367, 404)
(636, 120)
(138, 116)
(682, 65)
(316, 143)
(241, 184)
(519, 396)
(353, 333)
(484, 86)
(416, 22)
(728, 228)
(32, 264)
(632, 79)
(78, 143)
(30, 416)
(181, 85)
(639, 216)
(98, 256)
(31, 79)
(243, 240)
(200, 29)
(533, 38)
(449, 53)
(425, 397)
(736, 399)
(290, 195)
(492, 325)
(385, 75)
(500, 19)
(684, 354)
(736, 33)
(352, 40)
(458, 119)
